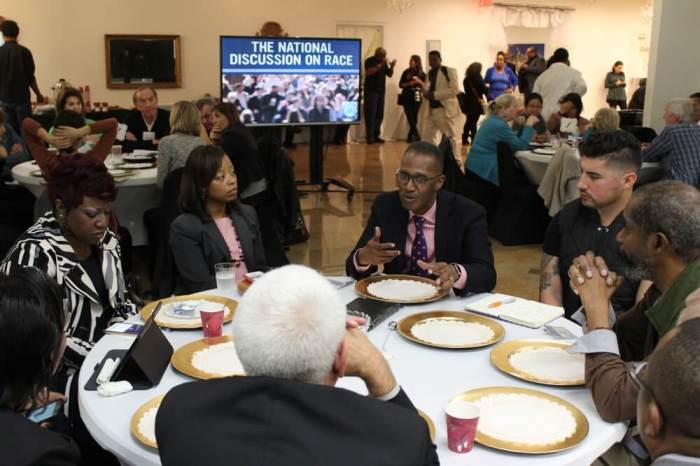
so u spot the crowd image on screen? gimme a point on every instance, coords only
(279, 99)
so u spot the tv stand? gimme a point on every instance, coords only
(316, 167)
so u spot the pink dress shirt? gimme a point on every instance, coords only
(228, 231)
(429, 233)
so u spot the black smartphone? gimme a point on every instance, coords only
(45, 413)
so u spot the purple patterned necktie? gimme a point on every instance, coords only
(419, 250)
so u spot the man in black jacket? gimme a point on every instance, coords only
(294, 343)
(421, 230)
(529, 71)
(16, 76)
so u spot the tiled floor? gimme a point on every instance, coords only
(335, 224)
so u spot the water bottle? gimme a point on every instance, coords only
(416, 94)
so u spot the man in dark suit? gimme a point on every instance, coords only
(421, 230)
(293, 340)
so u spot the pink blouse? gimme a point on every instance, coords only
(228, 231)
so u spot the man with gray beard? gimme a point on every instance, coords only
(661, 239)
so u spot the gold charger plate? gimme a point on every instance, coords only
(579, 434)
(361, 288)
(154, 403)
(182, 358)
(500, 357)
(187, 323)
(404, 327)
(431, 425)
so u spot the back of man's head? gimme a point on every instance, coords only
(619, 148)
(9, 29)
(289, 324)
(69, 118)
(560, 55)
(673, 377)
(672, 208)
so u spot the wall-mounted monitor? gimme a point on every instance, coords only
(292, 81)
(142, 60)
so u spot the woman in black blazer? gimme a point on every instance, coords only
(31, 347)
(215, 227)
(474, 91)
(253, 186)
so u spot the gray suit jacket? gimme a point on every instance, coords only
(197, 246)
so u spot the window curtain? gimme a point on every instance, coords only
(524, 16)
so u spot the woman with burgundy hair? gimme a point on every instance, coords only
(74, 245)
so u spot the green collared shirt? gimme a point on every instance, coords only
(666, 310)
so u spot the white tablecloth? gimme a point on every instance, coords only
(137, 194)
(534, 165)
(431, 377)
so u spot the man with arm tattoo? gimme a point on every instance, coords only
(609, 165)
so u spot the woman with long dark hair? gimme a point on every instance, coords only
(215, 226)
(615, 83)
(411, 85)
(31, 346)
(474, 92)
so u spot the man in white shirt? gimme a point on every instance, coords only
(558, 80)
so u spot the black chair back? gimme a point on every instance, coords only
(165, 269)
(521, 217)
(643, 133)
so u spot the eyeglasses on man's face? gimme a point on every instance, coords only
(419, 180)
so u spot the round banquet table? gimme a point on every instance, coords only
(430, 377)
(535, 165)
(136, 194)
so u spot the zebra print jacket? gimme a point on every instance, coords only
(45, 247)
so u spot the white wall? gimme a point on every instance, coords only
(67, 37)
(674, 64)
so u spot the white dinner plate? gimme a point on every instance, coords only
(544, 151)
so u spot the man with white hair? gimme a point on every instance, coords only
(291, 336)
(678, 145)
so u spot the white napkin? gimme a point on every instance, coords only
(568, 125)
(114, 388)
(108, 369)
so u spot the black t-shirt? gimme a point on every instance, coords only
(577, 229)
(376, 82)
(16, 72)
(136, 125)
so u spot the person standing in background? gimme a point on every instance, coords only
(500, 78)
(529, 71)
(615, 84)
(445, 115)
(474, 92)
(558, 80)
(376, 71)
(16, 76)
(411, 95)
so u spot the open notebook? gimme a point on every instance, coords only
(521, 311)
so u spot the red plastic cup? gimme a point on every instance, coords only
(462, 419)
(212, 322)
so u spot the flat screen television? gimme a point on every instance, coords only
(292, 81)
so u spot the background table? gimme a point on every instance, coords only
(535, 165)
(431, 377)
(136, 194)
